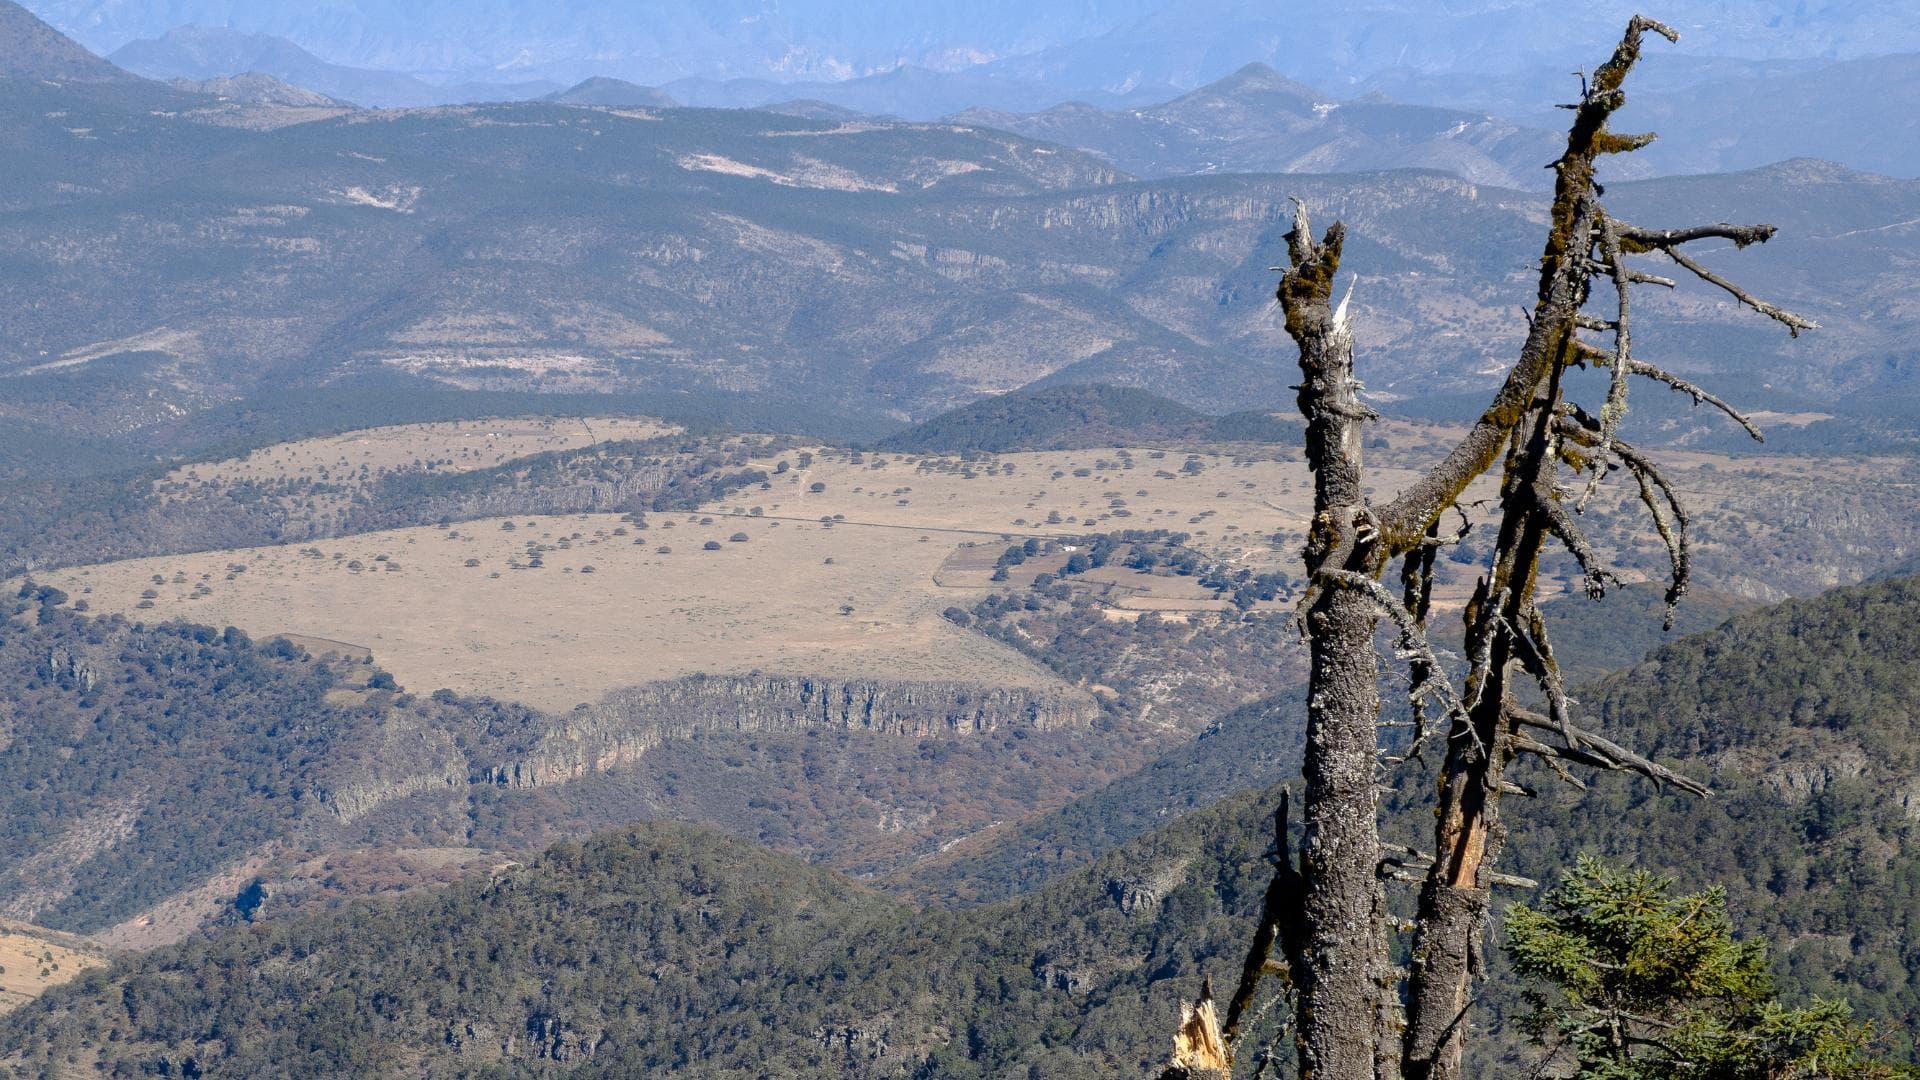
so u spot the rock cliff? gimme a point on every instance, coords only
(628, 723)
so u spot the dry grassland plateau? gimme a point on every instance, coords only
(609, 604)
(840, 566)
(602, 609)
(455, 446)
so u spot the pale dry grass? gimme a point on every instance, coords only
(847, 581)
(795, 597)
(33, 961)
(1231, 508)
(457, 446)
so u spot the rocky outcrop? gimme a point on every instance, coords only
(396, 760)
(411, 753)
(70, 670)
(1140, 894)
(628, 723)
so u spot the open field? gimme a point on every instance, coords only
(605, 608)
(33, 960)
(859, 596)
(1230, 505)
(358, 458)
(847, 560)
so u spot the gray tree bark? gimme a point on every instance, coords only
(1342, 919)
(1329, 915)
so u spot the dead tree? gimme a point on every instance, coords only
(1326, 916)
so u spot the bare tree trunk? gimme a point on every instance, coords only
(1329, 915)
(1455, 897)
(1504, 626)
(1342, 917)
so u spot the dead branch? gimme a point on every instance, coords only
(1600, 752)
(1615, 409)
(1640, 241)
(1563, 277)
(1536, 654)
(1673, 532)
(1669, 241)
(1199, 1052)
(1562, 526)
(1549, 756)
(1793, 323)
(1414, 858)
(1656, 492)
(1602, 358)
(1279, 925)
(1416, 585)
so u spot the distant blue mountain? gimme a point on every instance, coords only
(205, 52)
(30, 49)
(1069, 45)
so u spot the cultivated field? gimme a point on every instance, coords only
(361, 457)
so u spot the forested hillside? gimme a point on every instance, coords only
(1801, 716)
(672, 951)
(1805, 718)
(160, 772)
(1074, 417)
(669, 951)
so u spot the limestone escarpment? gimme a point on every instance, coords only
(628, 723)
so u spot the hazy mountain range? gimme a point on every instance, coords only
(1792, 86)
(161, 265)
(1085, 45)
(1257, 120)
(199, 52)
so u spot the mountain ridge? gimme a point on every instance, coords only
(1258, 120)
(890, 269)
(30, 48)
(1797, 713)
(201, 53)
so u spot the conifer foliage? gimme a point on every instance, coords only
(1633, 982)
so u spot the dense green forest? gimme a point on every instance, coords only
(665, 950)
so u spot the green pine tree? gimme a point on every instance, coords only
(1632, 982)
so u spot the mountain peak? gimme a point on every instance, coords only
(618, 93)
(30, 49)
(211, 52)
(1259, 78)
